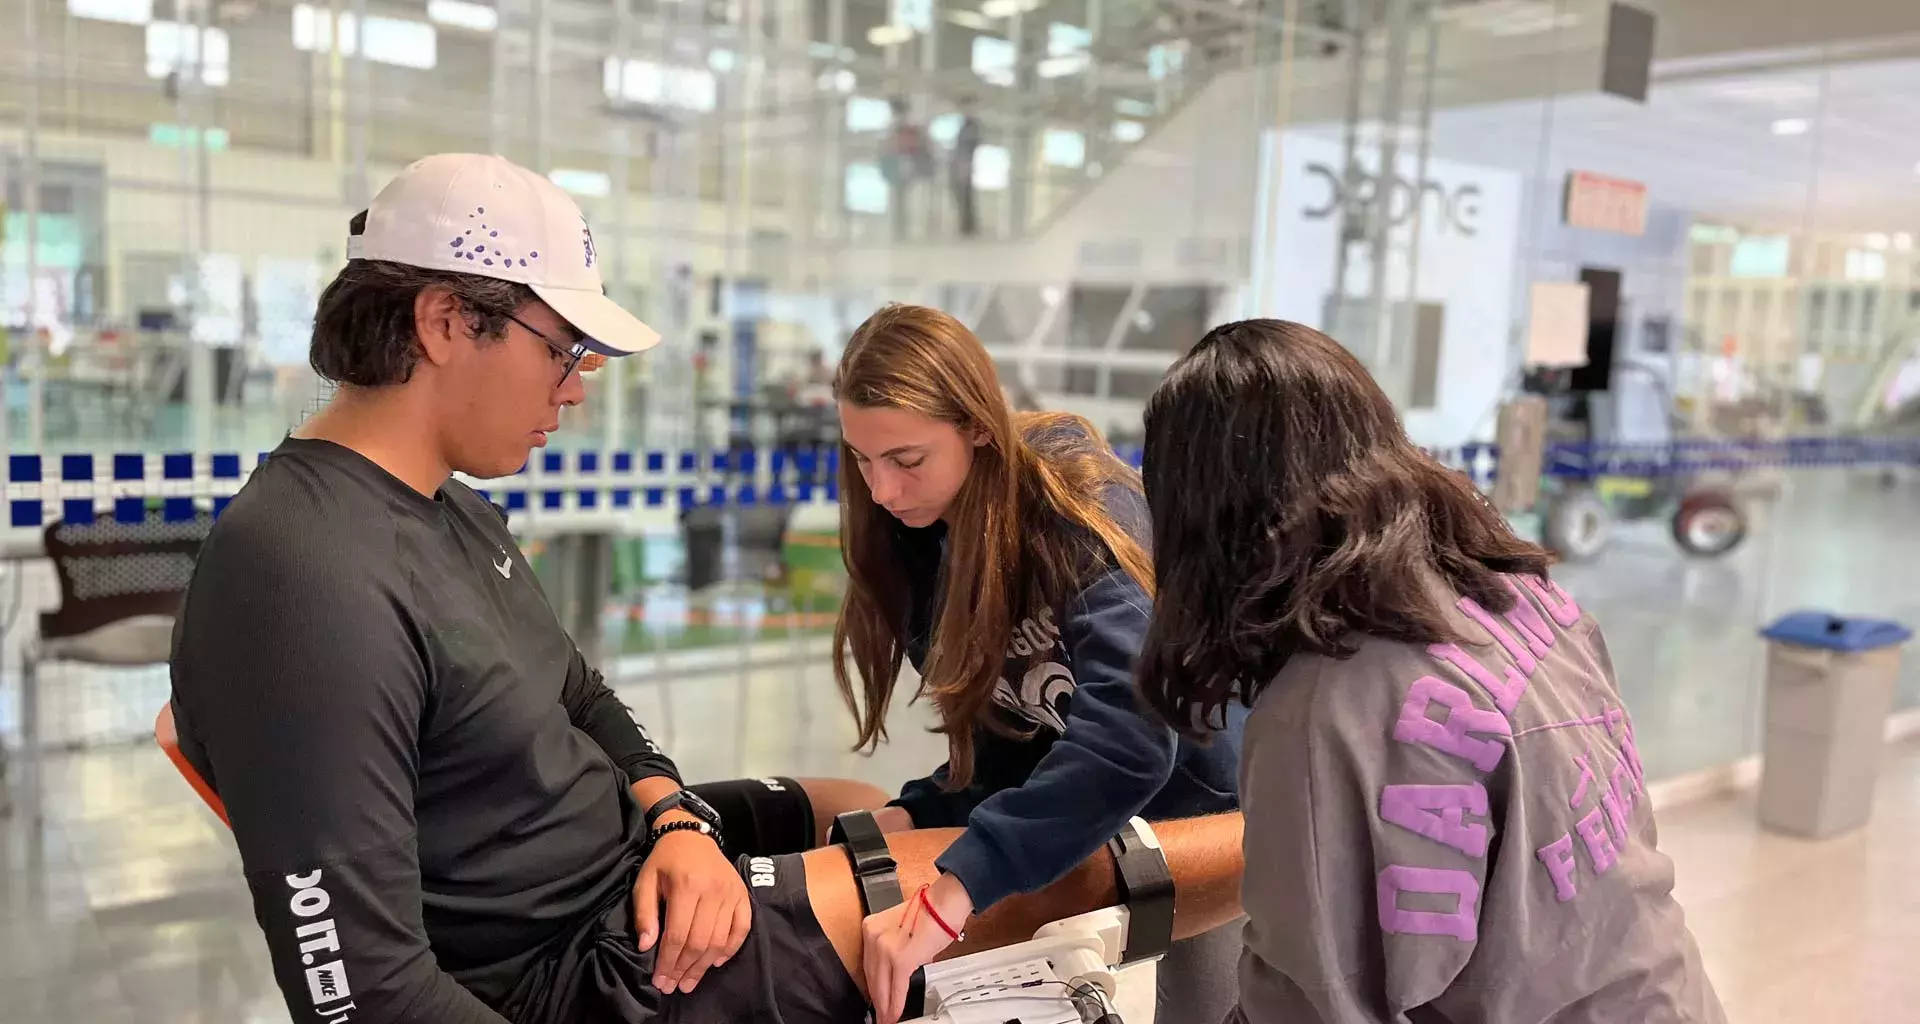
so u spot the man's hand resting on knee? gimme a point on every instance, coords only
(708, 911)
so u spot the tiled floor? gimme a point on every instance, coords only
(1799, 932)
(126, 906)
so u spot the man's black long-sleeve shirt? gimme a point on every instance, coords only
(427, 784)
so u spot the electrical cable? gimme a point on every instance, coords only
(1080, 994)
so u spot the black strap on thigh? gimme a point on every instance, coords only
(878, 876)
(1146, 889)
(873, 865)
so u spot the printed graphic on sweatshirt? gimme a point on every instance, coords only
(1440, 712)
(1046, 684)
(319, 937)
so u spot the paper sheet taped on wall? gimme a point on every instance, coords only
(1557, 324)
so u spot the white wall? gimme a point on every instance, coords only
(1466, 264)
(1482, 278)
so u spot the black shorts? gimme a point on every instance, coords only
(761, 817)
(786, 972)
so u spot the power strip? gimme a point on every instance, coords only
(1030, 991)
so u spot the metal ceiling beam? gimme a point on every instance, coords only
(1255, 19)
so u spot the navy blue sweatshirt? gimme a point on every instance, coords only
(1039, 806)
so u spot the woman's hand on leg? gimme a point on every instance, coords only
(903, 939)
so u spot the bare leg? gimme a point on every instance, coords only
(833, 797)
(1203, 855)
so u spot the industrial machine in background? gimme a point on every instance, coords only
(1601, 443)
(1593, 479)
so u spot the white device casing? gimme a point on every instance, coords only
(1084, 948)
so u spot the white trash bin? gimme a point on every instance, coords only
(1830, 685)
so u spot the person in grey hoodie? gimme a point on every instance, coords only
(1446, 812)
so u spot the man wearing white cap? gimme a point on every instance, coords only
(439, 805)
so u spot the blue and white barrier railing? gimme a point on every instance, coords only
(1685, 458)
(45, 489)
(594, 488)
(554, 490)
(1588, 461)
(594, 483)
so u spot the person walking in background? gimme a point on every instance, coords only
(1446, 812)
(905, 160)
(1003, 556)
(965, 143)
(812, 426)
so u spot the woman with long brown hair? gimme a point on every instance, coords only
(1001, 554)
(1446, 815)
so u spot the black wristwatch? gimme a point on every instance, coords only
(685, 800)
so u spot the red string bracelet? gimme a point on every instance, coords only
(927, 902)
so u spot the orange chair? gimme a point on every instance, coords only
(169, 739)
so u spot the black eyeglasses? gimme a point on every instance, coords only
(573, 355)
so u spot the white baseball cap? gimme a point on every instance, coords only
(487, 216)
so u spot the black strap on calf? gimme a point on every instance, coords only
(1146, 889)
(873, 865)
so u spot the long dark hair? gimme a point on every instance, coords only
(1292, 515)
(1029, 511)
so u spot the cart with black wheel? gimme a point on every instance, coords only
(1589, 487)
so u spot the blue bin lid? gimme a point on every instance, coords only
(1836, 632)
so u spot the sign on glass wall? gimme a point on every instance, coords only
(1598, 202)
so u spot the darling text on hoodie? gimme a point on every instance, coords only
(1470, 733)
